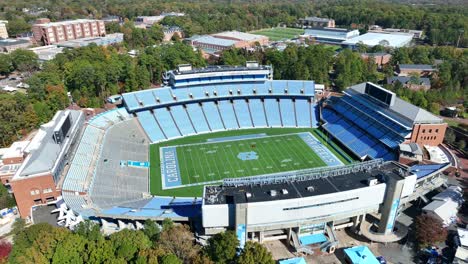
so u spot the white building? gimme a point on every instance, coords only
(392, 40)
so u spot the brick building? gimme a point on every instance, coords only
(11, 160)
(55, 32)
(380, 58)
(419, 69)
(225, 40)
(35, 181)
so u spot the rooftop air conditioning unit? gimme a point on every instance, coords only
(248, 195)
(372, 181)
(272, 193)
(284, 191)
(310, 188)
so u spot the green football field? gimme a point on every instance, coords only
(279, 33)
(155, 184)
(247, 157)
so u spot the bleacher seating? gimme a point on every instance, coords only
(353, 137)
(287, 112)
(227, 114)
(258, 113)
(166, 122)
(152, 129)
(182, 120)
(198, 118)
(303, 113)
(243, 113)
(272, 112)
(212, 115)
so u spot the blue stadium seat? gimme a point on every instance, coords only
(167, 124)
(303, 113)
(212, 115)
(258, 113)
(146, 98)
(287, 112)
(272, 113)
(150, 126)
(242, 113)
(227, 113)
(182, 120)
(198, 118)
(164, 95)
(131, 101)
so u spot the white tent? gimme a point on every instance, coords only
(446, 211)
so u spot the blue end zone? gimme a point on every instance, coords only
(312, 239)
(324, 153)
(223, 139)
(170, 168)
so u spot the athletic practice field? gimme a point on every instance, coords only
(183, 168)
(279, 33)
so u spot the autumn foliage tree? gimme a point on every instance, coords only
(429, 230)
(5, 249)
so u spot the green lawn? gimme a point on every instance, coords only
(155, 168)
(279, 33)
(200, 163)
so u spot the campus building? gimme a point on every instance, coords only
(414, 84)
(35, 181)
(418, 69)
(312, 22)
(9, 45)
(49, 33)
(3, 29)
(386, 39)
(330, 35)
(226, 40)
(106, 40)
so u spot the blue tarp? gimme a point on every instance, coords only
(312, 239)
(361, 255)
(293, 261)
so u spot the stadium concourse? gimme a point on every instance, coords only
(111, 172)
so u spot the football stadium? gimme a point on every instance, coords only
(229, 148)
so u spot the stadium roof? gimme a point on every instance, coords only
(361, 255)
(215, 41)
(298, 189)
(238, 35)
(406, 79)
(403, 108)
(427, 169)
(43, 152)
(423, 67)
(411, 148)
(394, 40)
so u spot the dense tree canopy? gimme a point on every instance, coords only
(443, 24)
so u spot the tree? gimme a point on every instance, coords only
(462, 144)
(450, 136)
(179, 241)
(255, 253)
(151, 230)
(127, 243)
(89, 230)
(222, 247)
(24, 60)
(170, 259)
(6, 64)
(429, 230)
(5, 249)
(6, 200)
